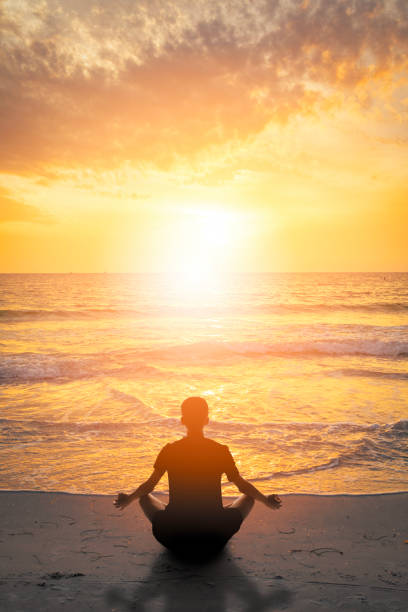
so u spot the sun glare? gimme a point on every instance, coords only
(215, 228)
(200, 249)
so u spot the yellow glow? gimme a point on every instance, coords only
(199, 246)
(149, 162)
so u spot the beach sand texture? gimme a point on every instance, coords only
(77, 552)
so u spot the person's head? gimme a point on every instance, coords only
(194, 413)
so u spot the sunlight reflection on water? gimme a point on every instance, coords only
(306, 377)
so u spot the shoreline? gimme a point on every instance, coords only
(76, 552)
(165, 494)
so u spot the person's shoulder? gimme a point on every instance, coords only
(170, 445)
(176, 443)
(216, 445)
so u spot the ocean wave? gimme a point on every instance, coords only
(134, 363)
(278, 426)
(328, 465)
(48, 314)
(218, 349)
(306, 447)
(369, 307)
(39, 367)
(261, 433)
(362, 373)
(400, 425)
(16, 315)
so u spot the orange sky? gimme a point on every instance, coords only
(236, 135)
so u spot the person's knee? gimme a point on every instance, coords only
(249, 503)
(244, 504)
(246, 501)
(143, 500)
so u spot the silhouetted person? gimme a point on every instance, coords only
(195, 519)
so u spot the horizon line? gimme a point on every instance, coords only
(254, 272)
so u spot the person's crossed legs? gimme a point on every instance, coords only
(151, 504)
(244, 504)
(205, 535)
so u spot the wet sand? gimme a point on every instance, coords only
(77, 552)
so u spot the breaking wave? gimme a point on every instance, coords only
(38, 367)
(376, 444)
(218, 350)
(368, 307)
(11, 316)
(44, 314)
(134, 363)
(362, 373)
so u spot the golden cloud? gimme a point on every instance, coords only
(12, 210)
(155, 81)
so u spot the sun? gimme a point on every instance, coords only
(215, 227)
(201, 247)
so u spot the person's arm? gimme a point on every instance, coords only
(122, 499)
(245, 487)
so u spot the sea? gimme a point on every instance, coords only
(306, 377)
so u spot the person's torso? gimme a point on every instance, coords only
(194, 469)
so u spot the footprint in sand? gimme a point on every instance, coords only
(390, 577)
(71, 520)
(348, 576)
(324, 551)
(298, 553)
(373, 538)
(60, 575)
(47, 524)
(91, 534)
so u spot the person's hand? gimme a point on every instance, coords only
(274, 502)
(122, 500)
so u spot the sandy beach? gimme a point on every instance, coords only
(76, 552)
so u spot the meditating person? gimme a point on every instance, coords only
(195, 519)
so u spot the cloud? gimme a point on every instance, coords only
(156, 81)
(13, 211)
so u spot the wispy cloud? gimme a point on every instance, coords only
(12, 210)
(154, 81)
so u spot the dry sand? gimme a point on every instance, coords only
(77, 552)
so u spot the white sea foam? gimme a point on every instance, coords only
(306, 376)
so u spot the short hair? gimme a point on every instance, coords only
(195, 410)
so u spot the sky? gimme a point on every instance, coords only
(197, 136)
